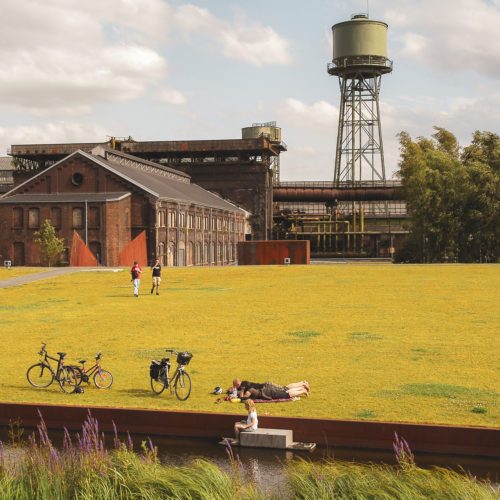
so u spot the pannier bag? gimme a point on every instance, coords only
(183, 358)
(154, 369)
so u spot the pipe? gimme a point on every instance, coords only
(329, 194)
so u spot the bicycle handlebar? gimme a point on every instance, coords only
(98, 355)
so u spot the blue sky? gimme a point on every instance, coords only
(160, 70)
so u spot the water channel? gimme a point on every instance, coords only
(265, 466)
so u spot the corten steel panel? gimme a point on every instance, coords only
(80, 253)
(439, 439)
(134, 251)
(251, 253)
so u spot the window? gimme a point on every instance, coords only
(77, 218)
(214, 222)
(219, 223)
(94, 214)
(182, 219)
(172, 218)
(33, 218)
(161, 218)
(191, 221)
(18, 217)
(55, 217)
(198, 222)
(205, 222)
(126, 218)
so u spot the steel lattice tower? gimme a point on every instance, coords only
(359, 61)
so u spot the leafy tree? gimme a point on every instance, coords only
(452, 197)
(50, 245)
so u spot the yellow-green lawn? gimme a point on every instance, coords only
(379, 342)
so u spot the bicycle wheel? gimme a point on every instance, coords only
(158, 385)
(183, 385)
(103, 379)
(40, 375)
(68, 379)
(79, 374)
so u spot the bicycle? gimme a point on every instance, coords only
(180, 382)
(42, 374)
(103, 379)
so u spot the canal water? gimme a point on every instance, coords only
(266, 466)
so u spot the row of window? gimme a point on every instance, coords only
(77, 217)
(193, 254)
(198, 222)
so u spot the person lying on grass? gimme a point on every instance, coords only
(250, 424)
(268, 390)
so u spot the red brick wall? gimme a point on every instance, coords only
(273, 252)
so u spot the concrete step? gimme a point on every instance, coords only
(267, 438)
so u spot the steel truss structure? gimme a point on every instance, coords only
(360, 152)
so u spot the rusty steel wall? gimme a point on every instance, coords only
(257, 253)
(423, 438)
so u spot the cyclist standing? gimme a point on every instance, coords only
(156, 268)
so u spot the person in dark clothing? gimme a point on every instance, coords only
(268, 390)
(156, 268)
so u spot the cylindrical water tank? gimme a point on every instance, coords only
(272, 132)
(360, 38)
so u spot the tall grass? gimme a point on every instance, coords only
(341, 480)
(85, 470)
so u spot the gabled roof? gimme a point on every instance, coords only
(161, 182)
(64, 197)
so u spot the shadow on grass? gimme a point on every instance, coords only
(143, 393)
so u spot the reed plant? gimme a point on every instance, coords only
(85, 469)
(349, 481)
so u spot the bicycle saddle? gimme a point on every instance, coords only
(62, 354)
(82, 361)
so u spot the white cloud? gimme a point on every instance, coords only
(320, 113)
(51, 132)
(61, 55)
(450, 35)
(241, 40)
(171, 96)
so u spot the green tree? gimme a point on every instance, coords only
(50, 245)
(452, 197)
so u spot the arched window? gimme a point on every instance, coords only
(171, 254)
(161, 253)
(18, 217)
(33, 218)
(77, 218)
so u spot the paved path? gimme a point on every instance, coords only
(28, 278)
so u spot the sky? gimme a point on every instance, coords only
(80, 71)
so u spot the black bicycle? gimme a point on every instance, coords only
(180, 382)
(42, 374)
(103, 379)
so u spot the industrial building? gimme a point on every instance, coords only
(357, 214)
(122, 208)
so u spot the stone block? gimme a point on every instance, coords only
(267, 438)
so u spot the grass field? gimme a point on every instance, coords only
(376, 342)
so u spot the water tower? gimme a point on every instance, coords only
(359, 61)
(273, 133)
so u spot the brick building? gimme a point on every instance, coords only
(111, 199)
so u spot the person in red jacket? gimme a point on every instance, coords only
(136, 277)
